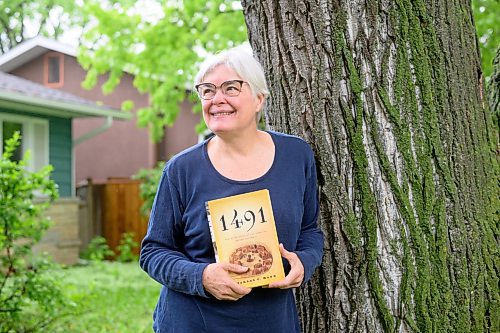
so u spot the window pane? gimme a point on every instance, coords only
(8, 130)
(53, 63)
(40, 146)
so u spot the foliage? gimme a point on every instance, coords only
(494, 90)
(20, 19)
(487, 18)
(97, 250)
(30, 298)
(149, 183)
(160, 42)
(126, 248)
(109, 296)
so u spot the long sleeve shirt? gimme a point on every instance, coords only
(178, 246)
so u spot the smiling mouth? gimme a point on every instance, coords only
(221, 114)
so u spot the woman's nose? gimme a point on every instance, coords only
(219, 96)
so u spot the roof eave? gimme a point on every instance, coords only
(30, 49)
(61, 109)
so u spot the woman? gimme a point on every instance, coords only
(198, 295)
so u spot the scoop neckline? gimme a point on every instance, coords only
(233, 181)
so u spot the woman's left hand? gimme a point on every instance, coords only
(296, 274)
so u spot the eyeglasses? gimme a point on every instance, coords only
(230, 88)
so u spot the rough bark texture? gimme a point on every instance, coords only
(389, 94)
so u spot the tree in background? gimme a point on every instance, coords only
(160, 43)
(494, 92)
(20, 20)
(389, 94)
(487, 20)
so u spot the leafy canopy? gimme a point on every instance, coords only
(160, 43)
(21, 19)
(487, 19)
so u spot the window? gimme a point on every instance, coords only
(54, 70)
(8, 130)
(35, 138)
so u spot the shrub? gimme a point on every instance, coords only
(30, 299)
(149, 184)
(126, 248)
(97, 250)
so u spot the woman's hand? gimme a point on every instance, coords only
(296, 274)
(219, 283)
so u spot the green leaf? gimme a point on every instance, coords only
(160, 49)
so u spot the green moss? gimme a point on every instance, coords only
(432, 286)
(441, 304)
(351, 228)
(450, 279)
(366, 197)
(418, 241)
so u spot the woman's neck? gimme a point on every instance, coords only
(241, 144)
(244, 157)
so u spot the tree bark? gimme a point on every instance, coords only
(390, 96)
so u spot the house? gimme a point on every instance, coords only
(104, 150)
(44, 117)
(122, 149)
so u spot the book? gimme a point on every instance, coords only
(243, 232)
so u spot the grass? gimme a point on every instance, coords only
(109, 297)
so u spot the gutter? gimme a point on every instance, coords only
(64, 109)
(90, 134)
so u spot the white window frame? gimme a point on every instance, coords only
(28, 139)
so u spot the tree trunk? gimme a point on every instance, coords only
(389, 94)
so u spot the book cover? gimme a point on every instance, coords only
(244, 233)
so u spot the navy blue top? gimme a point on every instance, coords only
(178, 247)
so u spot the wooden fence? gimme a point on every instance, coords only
(110, 209)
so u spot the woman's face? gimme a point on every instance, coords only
(230, 114)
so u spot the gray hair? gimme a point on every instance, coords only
(240, 61)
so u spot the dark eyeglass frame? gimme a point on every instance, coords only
(221, 87)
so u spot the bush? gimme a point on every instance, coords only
(30, 299)
(149, 184)
(126, 248)
(97, 250)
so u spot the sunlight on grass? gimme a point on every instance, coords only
(109, 297)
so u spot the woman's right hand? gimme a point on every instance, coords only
(218, 282)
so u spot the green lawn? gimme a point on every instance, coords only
(109, 297)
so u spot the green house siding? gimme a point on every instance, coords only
(60, 154)
(60, 149)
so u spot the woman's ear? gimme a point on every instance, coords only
(259, 102)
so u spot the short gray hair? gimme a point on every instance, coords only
(240, 61)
